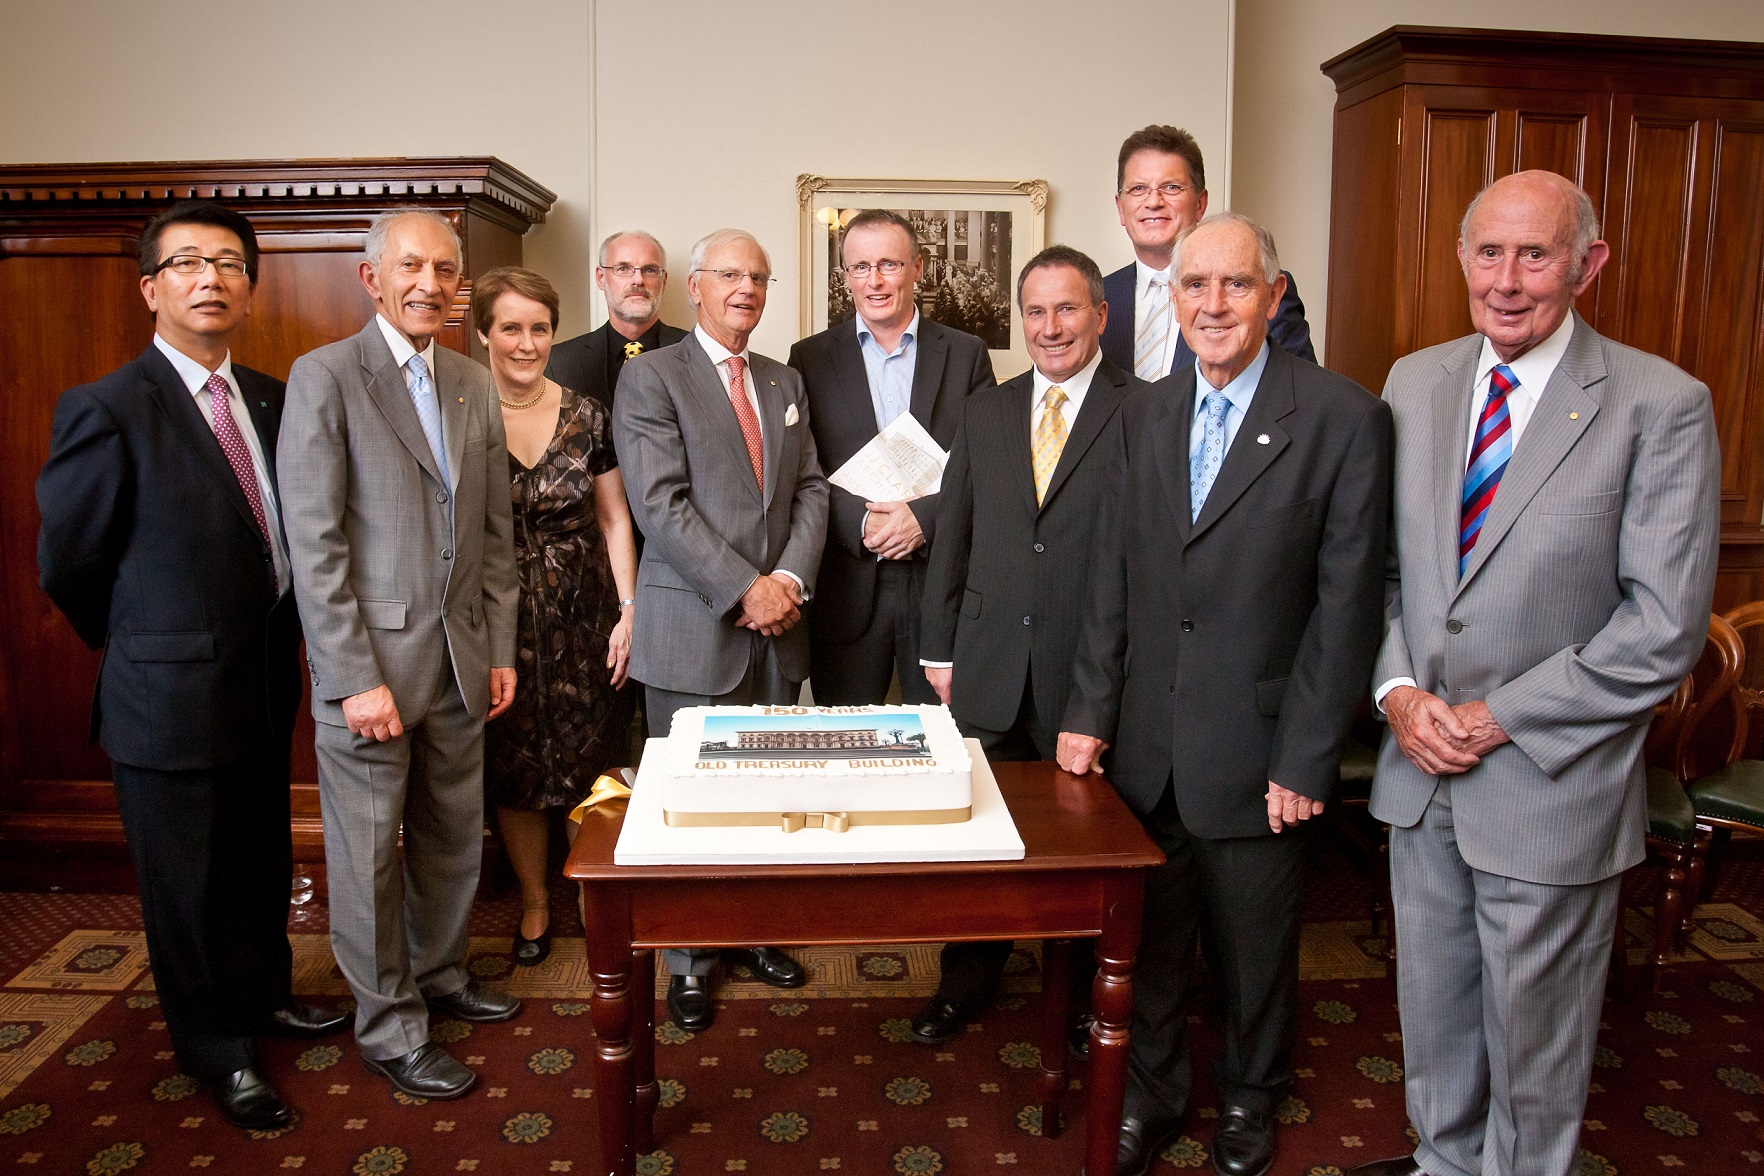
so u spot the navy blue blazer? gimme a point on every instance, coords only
(1289, 330)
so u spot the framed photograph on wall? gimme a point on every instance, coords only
(972, 234)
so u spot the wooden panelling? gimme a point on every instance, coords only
(1730, 314)
(1363, 225)
(1456, 153)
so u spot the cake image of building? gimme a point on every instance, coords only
(814, 737)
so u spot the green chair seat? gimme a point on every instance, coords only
(1671, 815)
(1358, 765)
(1735, 793)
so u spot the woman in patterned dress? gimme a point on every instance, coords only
(571, 718)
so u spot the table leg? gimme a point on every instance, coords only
(643, 1049)
(610, 965)
(1056, 991)
(1112, 997)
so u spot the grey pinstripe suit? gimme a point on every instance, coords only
(1584, 602)
(407, 581)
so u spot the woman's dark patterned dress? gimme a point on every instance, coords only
(567, 724)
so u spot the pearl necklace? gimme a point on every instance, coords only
(523, 403)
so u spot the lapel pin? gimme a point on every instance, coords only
(774, 383)
(462, 400)
(1573, 416)
(263, 404)
(1262, 439)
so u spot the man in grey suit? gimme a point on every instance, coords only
(395, 477)
(721, 472)
(1554, 545)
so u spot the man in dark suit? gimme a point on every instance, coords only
(1160, 190)
(860, 376)
(1240, 558)
(162, 543)
(1005, 587)
(632, 273)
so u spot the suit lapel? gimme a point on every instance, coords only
(933, 353)
(1249, 455)
(771, 411)
(1548, 437)
(1108, 387)
(1017, 440)
(386, 386)
(853, 382)
(265, 418)
(1170, 449)
(707, 386)
(453, 414)
(179, 404)
(1450, 403)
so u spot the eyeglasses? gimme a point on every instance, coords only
(625, 273)
(190, 264)
(1169, 191)
(733, 277)
(861, 270)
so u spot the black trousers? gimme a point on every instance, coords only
(213, 859)
(857, 672)
(1241, 898)
(969, 972)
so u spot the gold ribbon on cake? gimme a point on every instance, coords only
(832, 822)
(605, 788)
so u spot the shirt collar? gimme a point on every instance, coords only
(1533, 369)
(1240, 391)
(910, 335)
(401, 348)
(717, 352)
(194, 375)
(1074, 388)
(1143, 274)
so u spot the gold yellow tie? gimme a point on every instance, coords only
(633, 349)
(1050, 439)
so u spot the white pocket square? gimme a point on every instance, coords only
(790, 415)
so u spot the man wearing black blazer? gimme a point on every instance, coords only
(632, 273)
(1160, 190)
(162, 543)
(1234, 607)
(1004, 591)
(860, 376)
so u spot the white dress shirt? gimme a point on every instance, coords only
(1142, 276)
(402, 351)
(1533, 371)
(195, 378)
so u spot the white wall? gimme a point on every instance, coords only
(1284, 106)
(700, 113)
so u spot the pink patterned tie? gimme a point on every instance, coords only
(226, 431)
(744, 413)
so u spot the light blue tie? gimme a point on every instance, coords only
(1203, 467)
(428, 410)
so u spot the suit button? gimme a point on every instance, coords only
(1025, 620)
(447, 553)
(1039, 548)
(1187, 626)
(1454, 626)
(440, 496)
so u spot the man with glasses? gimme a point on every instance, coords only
(1160, 190)
(721, 472)
(632, 273)
(860, 376)
(162, 543)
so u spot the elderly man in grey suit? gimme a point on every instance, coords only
(1554, 544)
(721, 472)
(397, 509)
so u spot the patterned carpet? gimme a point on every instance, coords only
(818, 1080)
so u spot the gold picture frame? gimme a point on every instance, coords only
(973, 234)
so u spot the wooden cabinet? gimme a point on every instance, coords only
(1668, 139)
(71, 310)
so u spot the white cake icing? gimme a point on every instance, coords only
(748, 764)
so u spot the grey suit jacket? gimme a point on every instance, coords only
(393, 569)
(709, 530)
(1585, 601)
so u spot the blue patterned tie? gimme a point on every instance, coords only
(1489, 454)
(1203, 467)
(428, 410)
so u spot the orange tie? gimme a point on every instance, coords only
(744, 413)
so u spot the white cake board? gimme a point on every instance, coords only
(990, 835)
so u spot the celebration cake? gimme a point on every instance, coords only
(825, 767)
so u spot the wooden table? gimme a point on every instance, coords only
(1082, 876)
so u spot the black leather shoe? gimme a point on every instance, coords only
(475, 1002)
(939, 1021)
(1244, 1145)
(1140, 1142)
(528, 952)
(304, 1020)
(1401, 1166)
(247, 1100)
(428, 1071)
(689, 1002)
(769, 965)
(1078, 1037)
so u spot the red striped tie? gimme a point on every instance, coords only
(750, 429)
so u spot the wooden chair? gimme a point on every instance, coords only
(1729, 795)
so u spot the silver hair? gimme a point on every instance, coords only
(719, 238)
(1586, 226)
(607, 244)
(1270, 256)
(376, 238)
